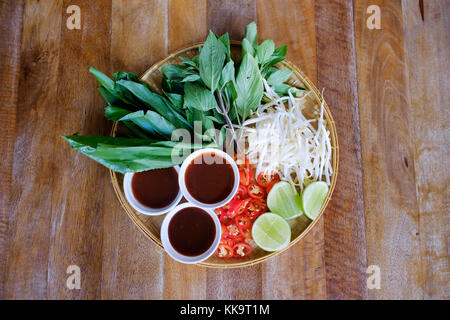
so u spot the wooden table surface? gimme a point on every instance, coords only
(388, 90)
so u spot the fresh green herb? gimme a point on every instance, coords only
(198, 97)
(249, 86)
(210, 89)
(211, 61)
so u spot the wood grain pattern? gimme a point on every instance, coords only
(427, 47)
(132, 268)
(403, 145)
(10, 40)
(77, 239)
(388, 91)
(300, 272)
(345, 255)
(30, 208)
(388, 151)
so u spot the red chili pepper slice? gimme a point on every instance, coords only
(225, 219)
(218, 211)
(264, 180)
(256, 191)
(224, 250)
(243, 222)
(245, 176)
(241, 249)
(233, 209)
(269, 187)
(255, 208)
(241, 160)
(247, 233)
(224, 232)
(233, 231)
(241, 192)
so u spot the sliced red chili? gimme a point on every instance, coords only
(241, 249)
(255, 208)
(218, 211)
(233, 231)
(247, 233)
(245, 176)
(224, 231)
(269, 187)
(256, 191)
(243, 222)
(264, 180)
(241, 160)
(225, 219)
(224, 250)
(233, 209)
(241, 193)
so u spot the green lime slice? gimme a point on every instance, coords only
(313, 197)
(271, 232)
(284, 200)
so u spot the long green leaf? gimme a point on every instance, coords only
(249, 86)
(212, 58)
(151, 122)
(157, 102)
(198, 97)
(265, 51)
(251, 34)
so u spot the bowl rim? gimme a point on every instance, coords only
(335, 164)
(140, 207)
(170, 250)
(182, 178)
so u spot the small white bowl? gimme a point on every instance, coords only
(182, 176)
(171, 250)
(141, 207)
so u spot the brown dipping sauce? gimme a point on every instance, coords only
(191, 231)
(155, 188)
(209, 183)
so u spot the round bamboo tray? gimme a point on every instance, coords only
(150, 225)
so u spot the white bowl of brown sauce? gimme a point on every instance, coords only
(190, 234)
(209, 178)
(153, 192)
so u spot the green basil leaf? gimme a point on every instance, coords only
(249, 86)
(278, 55)
(211, 61)
(225, 39)
(278, 77)
(191, 78)
(227, 74)
(247, 48)
(251, 34)
(188, 62)
(175, 98)
(175, 71)
(265, 51)
(198, 97)
(207, 124)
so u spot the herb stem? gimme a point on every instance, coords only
(223, 111)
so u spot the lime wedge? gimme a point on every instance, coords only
(284, 200)
(313, 197)
(271, 232)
